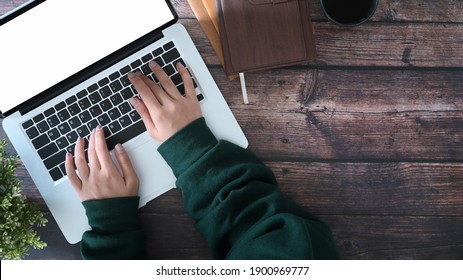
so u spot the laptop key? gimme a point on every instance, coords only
(60, 106)
(40, 141)
(92, 124)
(74, 109)
(56, 174)
(115, 127)
(125, 81)
(105, 92)
(83, 93)
(49, 112)
(103, 82)
(55, 160)
(116, 86)
(53, 134)
(125, 70)
(63, 115)
(126, 93)
(62, 143)
(106, 105)
(84, 103)
(85, 117)
(43, 127)
(171, 55)
(32, 132)
(104, 119)
(114, 113)
(83, 131)
(64, 128)
(125, 121)
(168, 46)
(71, 100)
(136, 63)
(48, 150)
(53, 121)
(72, 137)
(116, 99)
(114, 76)
(92, 88)
(157, 51)
(74, 122)
(125, 108)
(95, 97)
(38, 118)
(125, 135)
(27, 124)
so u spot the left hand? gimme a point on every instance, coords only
(100, 178)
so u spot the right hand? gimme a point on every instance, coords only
(162, 108)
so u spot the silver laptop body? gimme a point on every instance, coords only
(155, 175)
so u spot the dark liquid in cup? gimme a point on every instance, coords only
(349, 11)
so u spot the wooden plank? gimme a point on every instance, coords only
(372, 44)
(396, 237)
(350, 115)
(406, 189)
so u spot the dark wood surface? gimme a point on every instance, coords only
(369, 137)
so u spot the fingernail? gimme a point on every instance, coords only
(119, 148)
(134, 101)
(153, 64)
(98, 128)
(68, 155)
(131, 75)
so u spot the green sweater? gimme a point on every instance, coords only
(233, 198)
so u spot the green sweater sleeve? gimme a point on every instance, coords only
(235, 201)
(114, 234)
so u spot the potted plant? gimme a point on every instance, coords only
(17, 214)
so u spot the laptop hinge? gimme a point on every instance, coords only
(88, 72)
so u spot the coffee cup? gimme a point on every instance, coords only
(349, 12)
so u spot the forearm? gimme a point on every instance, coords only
(114, 234)
(234, 199)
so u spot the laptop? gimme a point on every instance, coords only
(63, 71)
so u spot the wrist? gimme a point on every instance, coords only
(112, 214)
(187, 145)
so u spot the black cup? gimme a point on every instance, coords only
(349, 12)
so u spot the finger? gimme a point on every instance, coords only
(81, 162)
(187, 81)
(92, 157)
(145, 115)
(166, 82)
(157, 90)
(128, 172)
(71, 172)
(145, 91)
(101, 149)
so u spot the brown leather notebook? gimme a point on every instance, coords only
(263, 34)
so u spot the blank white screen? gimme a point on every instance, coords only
(58, 38)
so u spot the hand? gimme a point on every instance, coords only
(100, 178)
(163, 109)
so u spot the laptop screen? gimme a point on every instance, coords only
(58, 38)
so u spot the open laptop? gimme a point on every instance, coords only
(63, 70)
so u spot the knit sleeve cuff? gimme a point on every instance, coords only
(188, 145)
(113, 214)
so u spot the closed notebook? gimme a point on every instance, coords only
(263, 34)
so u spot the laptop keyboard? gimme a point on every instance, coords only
(55, 131)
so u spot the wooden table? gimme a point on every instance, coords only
(369, 137)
